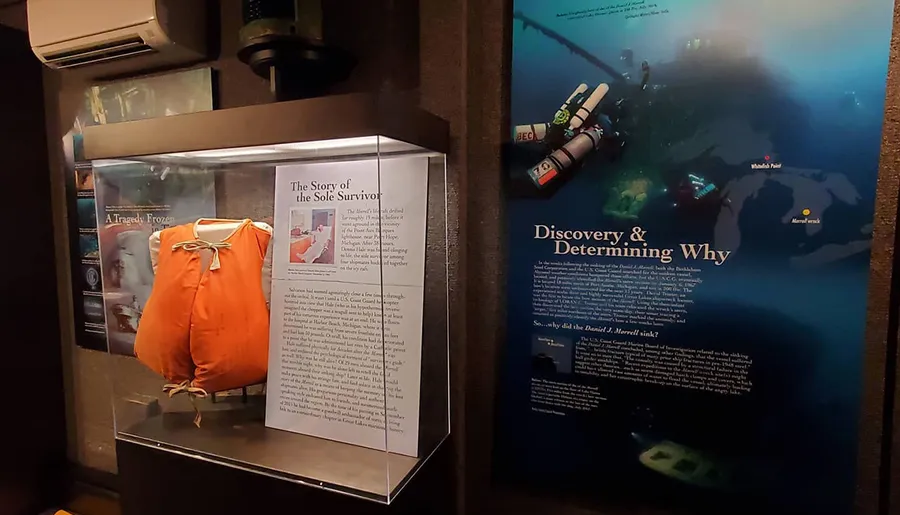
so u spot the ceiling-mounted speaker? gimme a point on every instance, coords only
(282, 40)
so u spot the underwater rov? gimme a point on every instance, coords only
(577, 131)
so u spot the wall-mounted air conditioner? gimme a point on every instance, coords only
(133, 34)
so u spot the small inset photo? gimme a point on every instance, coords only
(90, 278)
(93, 310)
(312, 236)
(87, 213)
(89, 246)
(551, 355)
(84, 180)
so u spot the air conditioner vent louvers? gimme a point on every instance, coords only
(121, 48)
(109, 38)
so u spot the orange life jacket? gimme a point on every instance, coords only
(208, 325)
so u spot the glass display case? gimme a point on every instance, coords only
(275, 287)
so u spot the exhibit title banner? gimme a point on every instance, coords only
(318, 191)
(568, 242)
(136, 218)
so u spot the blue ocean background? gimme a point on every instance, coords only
(803, 325)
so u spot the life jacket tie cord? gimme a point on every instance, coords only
(192, 392)
(197, 245)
